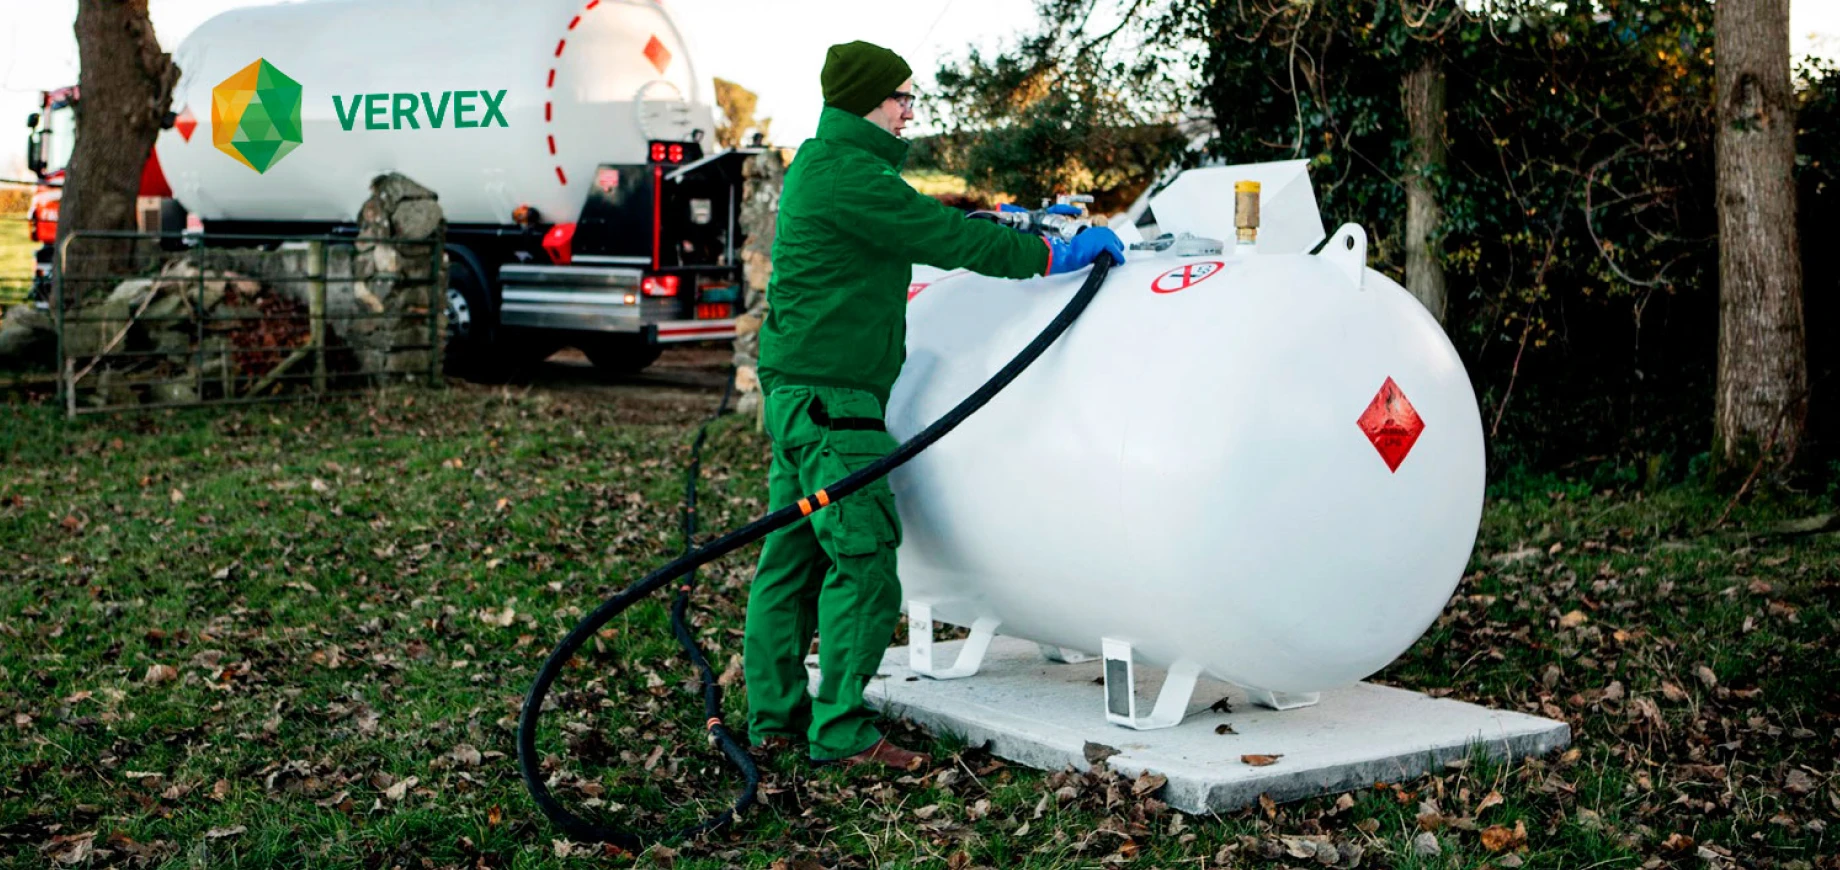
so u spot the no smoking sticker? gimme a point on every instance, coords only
(1186, 276)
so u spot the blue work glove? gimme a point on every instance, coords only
(1067, 210)
(1083, 250)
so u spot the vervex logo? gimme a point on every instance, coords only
(255, 115)
(400, 111)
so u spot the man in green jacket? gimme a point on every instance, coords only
(849, 231)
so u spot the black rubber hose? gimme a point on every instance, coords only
(711, 689)
(580, 829)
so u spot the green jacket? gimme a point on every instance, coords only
(849, 231)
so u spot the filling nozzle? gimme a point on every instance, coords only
(1246, 211)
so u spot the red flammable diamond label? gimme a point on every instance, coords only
(185, 124)
(657, 54)
(1392, 424)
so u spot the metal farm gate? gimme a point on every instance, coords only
(149, 321)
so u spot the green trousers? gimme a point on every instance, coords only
(833, 573)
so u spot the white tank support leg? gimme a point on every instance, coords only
(920, 644)
(1121, 689)
(1283, 700)
(1062, 655)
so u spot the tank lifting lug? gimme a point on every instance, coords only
(1283, 700)
(1121, 689)
(1061, 655)
(920, 644)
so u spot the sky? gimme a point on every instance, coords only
(773, 47)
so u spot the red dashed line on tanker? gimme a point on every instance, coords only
(549, 116)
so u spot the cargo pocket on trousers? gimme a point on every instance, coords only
(867, 520)
(787, 418)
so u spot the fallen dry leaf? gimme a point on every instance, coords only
(1098, 752)
(72, 849)
(401, 789)
(1798, 782)
(1573, 619)
(1492, 799)
(220, 833)
(1498, 838)
(1260, 760)
(160, 674)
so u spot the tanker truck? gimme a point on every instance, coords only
(563, 138)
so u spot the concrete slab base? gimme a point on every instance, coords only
(1043, 715)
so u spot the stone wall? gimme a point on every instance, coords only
(766, 175)
(216, 322)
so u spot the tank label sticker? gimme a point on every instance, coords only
(255, 115)
(914, 288)
(1391, 424)
(1185, 276)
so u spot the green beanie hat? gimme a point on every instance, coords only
(858, 76)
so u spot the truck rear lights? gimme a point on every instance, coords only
(712, 310)
(668, 152)
(659, 285)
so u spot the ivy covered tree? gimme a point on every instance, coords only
(1558, 208)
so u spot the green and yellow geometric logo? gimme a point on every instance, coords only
(255, 115)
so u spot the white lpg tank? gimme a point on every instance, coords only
(1266, 467)
(578, 83)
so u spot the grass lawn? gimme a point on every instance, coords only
(298, 637)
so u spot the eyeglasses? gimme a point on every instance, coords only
(905, 98)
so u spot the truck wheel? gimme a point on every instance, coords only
(469, 320)
(623, 355)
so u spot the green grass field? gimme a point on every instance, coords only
(298, 637)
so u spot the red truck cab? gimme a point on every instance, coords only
(49, 146)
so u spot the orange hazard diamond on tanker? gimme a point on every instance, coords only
(657, 54)
(1392, 424)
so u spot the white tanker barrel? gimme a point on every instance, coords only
(490, 104)
(1268, 468)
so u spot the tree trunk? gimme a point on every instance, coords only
(1423, 94)
(124, 89)
(1762, 398)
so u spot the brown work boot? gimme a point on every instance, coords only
(884, 752)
